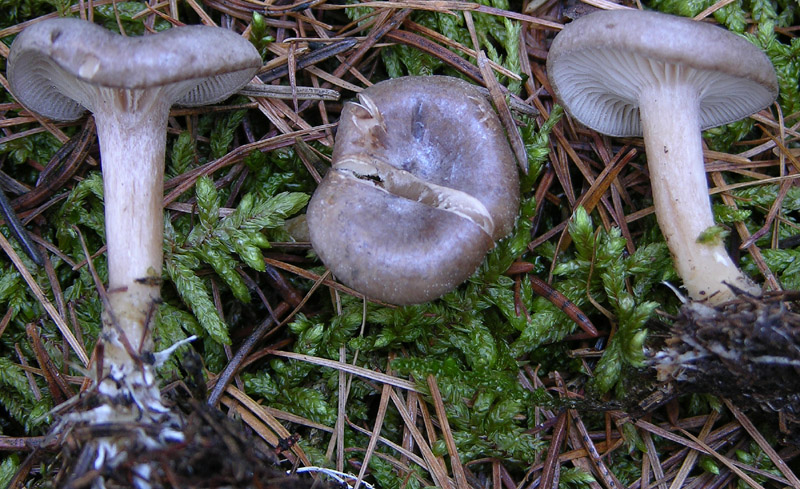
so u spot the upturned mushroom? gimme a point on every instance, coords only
(635, 73)
(423, 182)
(60, 68)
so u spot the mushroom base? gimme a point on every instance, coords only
(129, 405)
(124, 434)
(128, 369)
(206, 449)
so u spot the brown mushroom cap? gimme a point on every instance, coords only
(423, 181)
(59, 62)
(601, 62)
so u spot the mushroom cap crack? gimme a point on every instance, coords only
(401, 183)
(423, 182)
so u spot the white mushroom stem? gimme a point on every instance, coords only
(671, 129)
(131, 127)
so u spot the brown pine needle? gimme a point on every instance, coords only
(452, 450)
(46, 304)
(724, 460)
(376, 430)
(433, 465)
(351, 369)
(762, 442)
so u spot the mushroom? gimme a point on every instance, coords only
(59, 68)
(633, 73)
(423, 182)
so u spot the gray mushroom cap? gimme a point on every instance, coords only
(600, 62)
(423, 181)
(55, 65)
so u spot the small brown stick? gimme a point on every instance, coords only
(23, 443)
(376, 431)
(60, 169)
(724, 460)
(619, 217)
(46, 304)
(413, 403)
(499, 100)
(101, 290)
(59, 388)
(286, 290)
(439, 38)
(763, 443)
(225, 347)
(691, 457)
(653, 460)
(608, 477)
(447, 6)
(17, 121)
(310, 160)
(37, 394)
(302, 272)
(755, 251)
(337, 440)
(777, 205)
(592, 197)
(496, 477)
(519, 307)
(545, 182)
(596, 192)
(309, 59)
(564, 305)
(558, 299)
(245, 405)
(293, 7)
(427, 46)
(24, 469)
(290, 93)
(19, 230)
(12, 185)
(224, 378)
(374, 36)
(434, 467)
(186, 180)
(6, 320)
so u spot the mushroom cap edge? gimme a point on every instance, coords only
(583, 55)
(220, 61)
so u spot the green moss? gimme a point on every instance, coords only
(475, 340)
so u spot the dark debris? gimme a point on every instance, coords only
(217, 452)
(747, 350)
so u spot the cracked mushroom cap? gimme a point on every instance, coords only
(423, 182)
(59, 67)
(600, 63)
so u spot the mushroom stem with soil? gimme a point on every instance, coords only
(59, 68)
(637, 73)
(132, 145)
